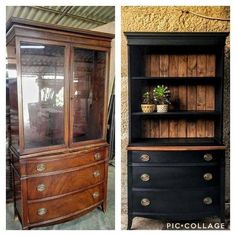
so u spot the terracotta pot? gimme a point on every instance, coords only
(147, 108)
(162, 108)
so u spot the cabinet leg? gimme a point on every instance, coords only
(25, 228)
(130, 219)
(104, 206)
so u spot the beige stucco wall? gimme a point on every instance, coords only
(169, 19)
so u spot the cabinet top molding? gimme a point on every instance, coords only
(17, 22)
(176, 38)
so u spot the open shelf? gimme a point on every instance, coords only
(174, 141)
(179, 114)
(179, 80)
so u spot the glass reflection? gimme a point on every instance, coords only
(42, 70)
(88, 94)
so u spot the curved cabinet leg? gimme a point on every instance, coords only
(104, 206)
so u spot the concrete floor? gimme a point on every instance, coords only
(95, 220)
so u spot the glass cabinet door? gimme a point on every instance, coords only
(42, 74)
(88, 88)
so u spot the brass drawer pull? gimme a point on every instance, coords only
(41, 187)
(97, 156)
(207, 200)
(208, 157)
(145, 158)
(96, 173)
(42, 211)
(41, 167)
(145, 202)
(145, 177)
(95, 195)
(208, 176)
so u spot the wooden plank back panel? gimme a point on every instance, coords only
(173, 72)
(183, 97)
(210, 94)
(182, 72)
(201, 94)
(152, 129)
(164, 72)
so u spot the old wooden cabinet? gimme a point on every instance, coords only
(176, 159)
(58, 81)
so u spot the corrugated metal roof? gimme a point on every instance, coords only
(85, 17)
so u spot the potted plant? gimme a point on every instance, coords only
(161, 95)
(147, 103)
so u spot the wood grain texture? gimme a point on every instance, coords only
(65, 182)
(173, 72)
(175, 148)
(210, 94)
(155, 66)
(201, 94)
(69, 204)
(164, 72)
(69, 184)
(182, 72)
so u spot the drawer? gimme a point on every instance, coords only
(175, 156)
(63, 206)
(175, 177)
(64, 161)
(177, 201)
(65, 182)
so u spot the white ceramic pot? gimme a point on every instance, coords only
(162, 108)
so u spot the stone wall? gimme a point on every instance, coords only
(171, 19)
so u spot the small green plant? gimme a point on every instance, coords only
(161, 95)
(147, 98)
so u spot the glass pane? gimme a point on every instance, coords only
(42, 69)
(12, 103)
(88, 98)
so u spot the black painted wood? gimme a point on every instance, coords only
(179, 201)
(172, 177)
(175, 156)
(176, 188)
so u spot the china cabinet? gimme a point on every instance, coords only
(58, 81)
(176, 159)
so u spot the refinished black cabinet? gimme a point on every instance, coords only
(176, 160)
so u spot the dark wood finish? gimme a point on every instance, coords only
(69, 204)
(176, 159)
(64, 161)
(67, 179)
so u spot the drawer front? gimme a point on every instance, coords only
(175, 177)
(175, 156)
(46, 186)
(65, 161)
(73, 203)
(177, 201)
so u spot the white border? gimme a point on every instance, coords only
(117, 3)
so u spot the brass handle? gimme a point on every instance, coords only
(97, 156)
(208, 157)
(41, 187)
(96, 173)
(207, 200)
(42, 211)
(144, 158)
(41, 167)
(145, 177)
(95, 195)
(208, 176)
(145, 202)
